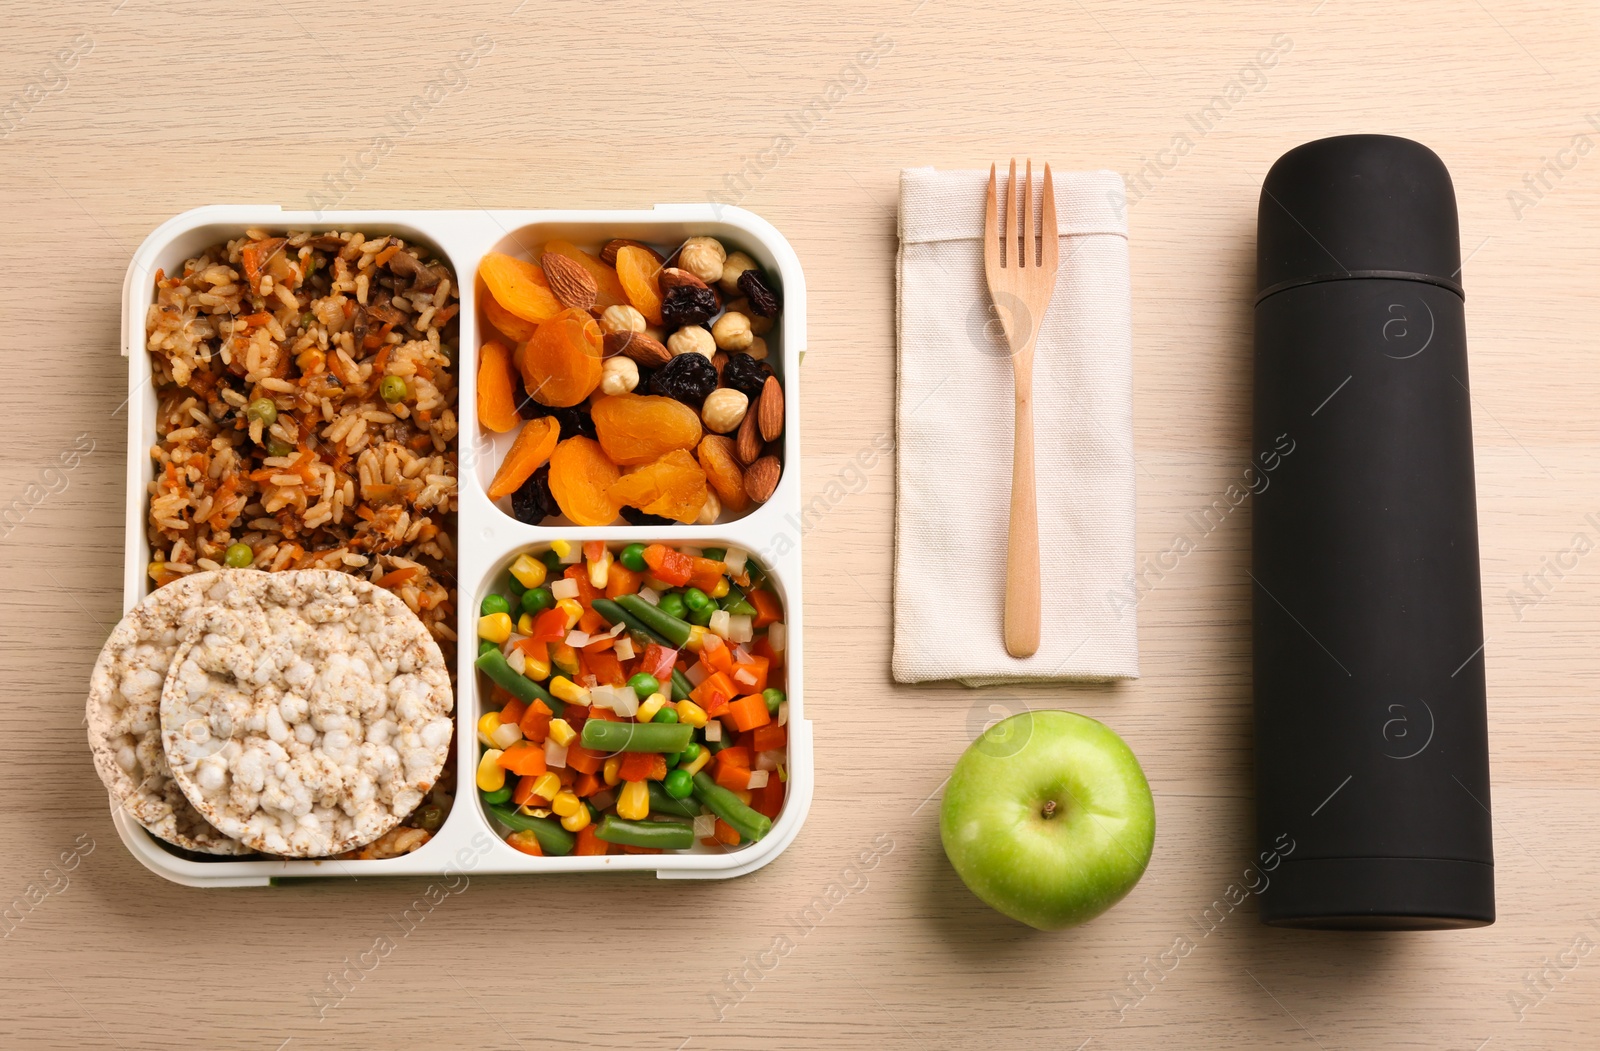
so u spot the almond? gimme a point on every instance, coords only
(570, 282)
(672, 277)
(638, 346)
(748, 445)
(608, 254)
(771, 409)
(761, 478)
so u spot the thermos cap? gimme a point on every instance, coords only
(1357, 206)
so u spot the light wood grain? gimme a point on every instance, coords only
(590, 105)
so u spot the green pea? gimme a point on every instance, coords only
(690, 753)
(644, 685)
(673, 758)
(515, 589)
(665, 715)
(494, 602)
(278, 448)
(679, 784)
(553, 563)
(537, 600)
(701, 617)
(485, 646)
(633, 557)
(393, 389)
(715, 554)
(263, 410)
(773, 699)
(697, 600)
(239, 555)
(672, 605)
(499, 795)
(595, 813)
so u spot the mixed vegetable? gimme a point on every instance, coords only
(633, 700)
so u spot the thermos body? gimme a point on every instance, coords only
(1372, 769)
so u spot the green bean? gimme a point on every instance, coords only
(603, 735)
(493, 664)
(615, 614)
(723, 803)
(667, 626)
(664, 802)
(667, 835)
(681, 686)
(553, 839)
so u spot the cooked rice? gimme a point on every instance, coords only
(313, 323)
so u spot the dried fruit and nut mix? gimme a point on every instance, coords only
(632, 699)
(636, 380)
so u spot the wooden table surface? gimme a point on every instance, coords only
(121, 114)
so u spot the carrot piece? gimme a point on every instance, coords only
(627, 849)
(620, 580)
(766, 738)
(535, 722)
(755, 670)
(395, 578)
(582, 759)
(705, 572)
(497, 400)
(523, 794)
(566, 775)
(716, 655)
(643, 766)
(769, 798)
(768, 609)
(523, 759)
(747, 713)
(729, 776)
(576, 715)
(513, 711)
(726, 834)
(605, 667)
(734, 755)
(586, 786)
(590, 622)
(668, 566)
(606, 715)
(532, 447)
(762, 648)
(589, 844)
(715, 692)
(526, 842)
(587, 592)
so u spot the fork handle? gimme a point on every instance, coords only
(1022, 550)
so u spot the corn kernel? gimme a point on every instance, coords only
(633, 802)
(743, 794)
(564, 689)
(565, 803)
(562, 732)
(697, 635)
(491, 775)
(600, 570)
(564, 657)
(721, 590)
(699, 762)
(691, 713)
(653, 704)
(536, 665)
(495, 628)
(561, 548)
(487, 725)
(576, 822)
(548, 786)
(573, 610)
(611, 770)
(529, 571)
(525, 624)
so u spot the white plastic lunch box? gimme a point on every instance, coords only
(487, 538)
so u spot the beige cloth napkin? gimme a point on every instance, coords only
(954, 417)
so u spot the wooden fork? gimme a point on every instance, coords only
(1022, 276)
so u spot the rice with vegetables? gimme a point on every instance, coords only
(307, 414)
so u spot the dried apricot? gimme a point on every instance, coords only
(581, 478)
(722, 470)
(672, 487)
(497, 401)
(638, 428)
(519, 286)
(515, 329)
(561, 364)
(609, 291)
(534, 445)
(640, 275)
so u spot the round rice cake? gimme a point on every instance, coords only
(125, 719)
(315, 727)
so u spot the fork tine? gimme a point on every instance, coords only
(1025, 249)
(1011, 216)
(1049, 238)
(991, 226)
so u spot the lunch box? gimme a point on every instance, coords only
(487, 538)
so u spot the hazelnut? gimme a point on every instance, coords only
(757, 348)
(618, 375)
(724, 410)
(691, 339)
(710, 511)
(732, 267)
(731, 331)
(703, 257)
(621, 318)
(758, 324)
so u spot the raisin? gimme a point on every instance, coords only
(534, 502)
(763, 300)
(634, 516)
(746, 375)
(687, 377)
(688, 305)
(575, 421)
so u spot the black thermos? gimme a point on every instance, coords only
(1372, 755)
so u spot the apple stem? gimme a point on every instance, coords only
(1049, 808)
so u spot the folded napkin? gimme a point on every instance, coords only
(954, 416)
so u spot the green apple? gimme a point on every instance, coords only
(1048, 818)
